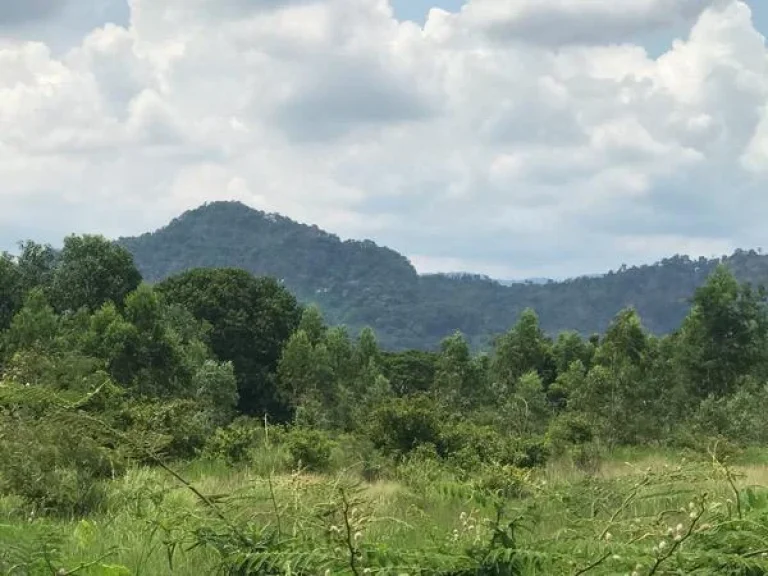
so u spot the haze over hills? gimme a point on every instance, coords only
(359, 283)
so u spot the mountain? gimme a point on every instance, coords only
(359, 283)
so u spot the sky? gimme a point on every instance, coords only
(514, 138)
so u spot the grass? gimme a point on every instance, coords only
(149, 520)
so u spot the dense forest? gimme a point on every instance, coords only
(336, 456)
(360, 284)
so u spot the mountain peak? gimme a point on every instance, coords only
(359, 283)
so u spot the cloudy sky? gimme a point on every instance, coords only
(515, 138)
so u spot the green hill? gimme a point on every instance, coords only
(359, 283)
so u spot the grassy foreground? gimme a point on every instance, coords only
(640, 513)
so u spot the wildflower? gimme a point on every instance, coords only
(358, 535)
(678, 537)
(608, 536)
(679, 528)
(366, 570)
(662, 545)
(692, 515)
(616, 557)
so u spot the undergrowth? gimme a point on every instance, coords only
(695, 517)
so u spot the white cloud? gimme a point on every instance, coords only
(489, 140)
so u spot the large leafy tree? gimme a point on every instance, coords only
(92, 271)
(251, 319)
(725, 336)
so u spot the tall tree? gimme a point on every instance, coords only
(725, 335)
(523, 349)
(251, 319)
(91, 271)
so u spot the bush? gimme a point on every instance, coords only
(176, 428)
(56, 465)
(569, 429)
(310, 449)
(235, 443)
(402, 424)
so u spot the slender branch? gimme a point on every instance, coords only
(677, 543)
(592, 566)
(86, 565)
(631, 496)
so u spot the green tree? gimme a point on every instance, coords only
(569, 347)
(524, 348)
(250, 321)
(410, 371)
(617, 390)
(457, 381)
(91, 271)
(10, 290)
(216, 386)
(37, 266)
(35, 326)
(312, 324)
(723, 338)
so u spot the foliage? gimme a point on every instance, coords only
(251, 319)
(310, 449)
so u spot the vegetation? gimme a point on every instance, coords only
(212, 424)
(360, 284)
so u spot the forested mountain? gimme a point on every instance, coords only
(359, 283)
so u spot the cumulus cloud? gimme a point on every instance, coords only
(563, 22)
(513, 138)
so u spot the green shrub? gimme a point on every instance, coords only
(235, 443)
(173, 429)
(402, 424)
(569, 429)
(55, 464)
(309, 449)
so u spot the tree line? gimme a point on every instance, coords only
(99, 369)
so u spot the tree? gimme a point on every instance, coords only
(411, 371)
(457, 382)
(35, 326)
(250, 321)
(617, 390)
(37, 265)
(91, 271)
(523, 349)
(10, 290)
(725, 335)
(570, 347)
(312, 324)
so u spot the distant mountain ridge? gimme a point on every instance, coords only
(360, 283)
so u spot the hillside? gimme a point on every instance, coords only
(359, 283)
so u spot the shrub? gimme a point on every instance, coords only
(569, 429)
(402, 424)
(309, 449)
(55, 464)
(235, 442)
(176, 429)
